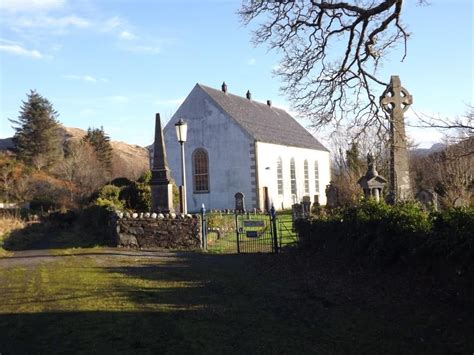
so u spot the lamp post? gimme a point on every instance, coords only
(181, 133)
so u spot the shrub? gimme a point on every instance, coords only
(109, 197)
(137, 196)
(387, 234)
(109, 192)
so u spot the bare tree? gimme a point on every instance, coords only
(81, 170)
(459, 128)
(449, 172)
(327, 82)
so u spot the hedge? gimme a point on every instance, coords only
(387, 234)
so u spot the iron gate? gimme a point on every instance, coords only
(226, 232)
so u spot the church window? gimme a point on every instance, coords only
(293, 176)
(316, 177)
(306, 177)
(280, 176)
(200, 170)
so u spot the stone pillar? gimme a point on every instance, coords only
(395, 101)
(161, 187)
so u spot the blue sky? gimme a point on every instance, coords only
(114, 63)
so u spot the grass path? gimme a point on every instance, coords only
(119, 301)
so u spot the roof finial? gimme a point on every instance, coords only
(224, 87)
(248, 95)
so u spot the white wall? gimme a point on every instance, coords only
(228, 148)
(267, 156)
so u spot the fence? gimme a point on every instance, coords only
(232, 232)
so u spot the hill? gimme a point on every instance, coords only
(127, 160)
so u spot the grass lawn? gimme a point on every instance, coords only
(102, 300)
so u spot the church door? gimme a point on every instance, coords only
(266, 199)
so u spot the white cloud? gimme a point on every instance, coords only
(112, 23)
(17, 49)
(30, 5)
(252, 61)
(52, 22)
(85, 78)
(127, 35)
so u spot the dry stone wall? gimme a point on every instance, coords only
(158, 231)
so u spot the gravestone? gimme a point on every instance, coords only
(239, 202)
(428, 198)
(395, 101)
(331, 195)
(306, 205)
(160, 183)
(297, 211)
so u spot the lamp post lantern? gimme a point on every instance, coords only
(181, 134)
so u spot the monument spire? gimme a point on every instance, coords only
(395, 101)
(161, 188)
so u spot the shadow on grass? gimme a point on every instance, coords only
(208, 304)
(45, 235)
(192, 304)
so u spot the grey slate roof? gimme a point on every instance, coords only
(264, 123)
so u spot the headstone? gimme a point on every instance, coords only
(239, 202)
(331, 195)
(316, 200)
(372, 183)
(161, 188)
(395, 101)
(297, 211)
(306, 205)
(428, 198)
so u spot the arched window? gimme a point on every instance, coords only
(306, 178)
(200, 171)
(293, 177)
(280, 176)
(316, 177)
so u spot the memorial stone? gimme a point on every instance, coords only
(395, 101)
(161, 187)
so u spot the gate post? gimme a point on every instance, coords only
(274, 228)
(237, 232)
(204, 227)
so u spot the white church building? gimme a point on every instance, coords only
(235, 144)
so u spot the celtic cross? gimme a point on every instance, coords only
(395, 97)
(395, 101)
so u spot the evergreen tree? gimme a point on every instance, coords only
(37, 133)
(355, 163)
(101, 143)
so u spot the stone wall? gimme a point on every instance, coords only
(158, 231)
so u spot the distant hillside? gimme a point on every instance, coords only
(128, 160)
(423, 152)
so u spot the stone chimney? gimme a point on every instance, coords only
(224, 87)
(248, 95)
(269, 103)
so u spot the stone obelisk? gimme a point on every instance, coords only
(395, 101)
(161, 187)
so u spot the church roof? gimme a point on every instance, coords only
(265, 123)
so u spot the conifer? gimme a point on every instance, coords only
(37, 136)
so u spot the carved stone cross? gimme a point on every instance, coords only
(395, 97)
(395, 101)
